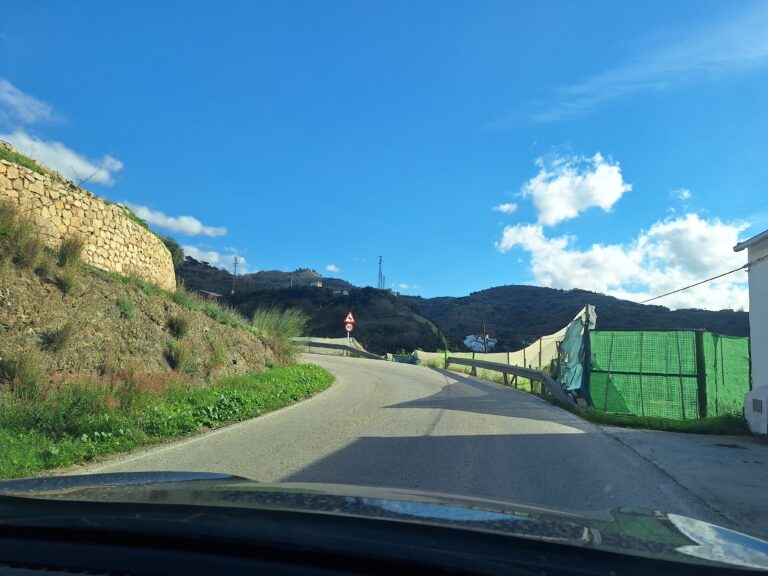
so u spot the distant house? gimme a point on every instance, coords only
(206, 295)
(755, 403)
(317, 283)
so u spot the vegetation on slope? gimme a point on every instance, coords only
(62, 426)
(93, 363)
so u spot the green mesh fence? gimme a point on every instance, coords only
(648, 373)
(727, 368)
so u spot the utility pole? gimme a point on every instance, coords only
(485, 338)
(291, 279)
(380, 282)
(234, 275)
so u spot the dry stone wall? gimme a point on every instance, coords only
(113, 242)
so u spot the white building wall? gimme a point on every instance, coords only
(758, 313)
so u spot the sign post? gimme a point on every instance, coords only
(349, 325)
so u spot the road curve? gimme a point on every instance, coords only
(402, 426)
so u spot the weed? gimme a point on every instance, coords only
(285, 324)
(127, 308)
(29, 246)
(217, 358)
(178, 325)
(19, 240)
(71, 250)
(66, 280)
(181, 357)
(46, 265)
(56, 340)
(185, 299)
(23, 373)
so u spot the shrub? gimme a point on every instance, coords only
(56, 340)
(185, 299)
(178, 325)
(285, 324)
(217, 358)
(23, 373)
(19, 240)
(29, 245)
(127, 308)
(177, 252)
(224, 314)
(46, 265)
(71, 250)
(66, 280)
(181, 356)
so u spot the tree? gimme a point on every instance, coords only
(177, 252)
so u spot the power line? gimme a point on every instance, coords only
(697, 283)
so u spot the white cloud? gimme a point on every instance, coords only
(65, 160)
(187, 225)
(729, 46)
(681, 194)
(223, 261)
(566, 186)
(333, 268)
(507, 208)
(404, 286)
(16, 107)
(673, 253)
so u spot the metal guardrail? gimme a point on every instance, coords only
(521, 371)
(309, 345)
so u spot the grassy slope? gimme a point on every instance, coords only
(79, 423)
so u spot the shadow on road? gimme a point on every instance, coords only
(466, 395)
(573, 471)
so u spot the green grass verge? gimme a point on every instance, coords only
(27, 162)
(75, 424)
(729, 424)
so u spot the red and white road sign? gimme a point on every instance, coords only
(349, 327)
(349, 319)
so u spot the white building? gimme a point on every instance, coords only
(756, 401)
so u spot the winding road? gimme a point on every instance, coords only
(403, 426)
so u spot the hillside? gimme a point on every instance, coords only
(201, 275)
(104, 325)
(517, 315)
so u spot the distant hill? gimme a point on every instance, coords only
(515, 315)
(518, 315)
(201, 275)
(385, 321)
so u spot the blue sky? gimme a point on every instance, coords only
(604, 145)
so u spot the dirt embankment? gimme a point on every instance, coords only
(103, 325)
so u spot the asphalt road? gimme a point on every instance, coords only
(403, 426)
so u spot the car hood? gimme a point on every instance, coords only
(628, 531)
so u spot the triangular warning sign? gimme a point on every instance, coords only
(349, 319)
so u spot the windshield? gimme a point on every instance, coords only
(502, 250)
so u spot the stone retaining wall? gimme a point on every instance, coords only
(113, 242)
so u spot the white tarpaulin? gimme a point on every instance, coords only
(538, 355)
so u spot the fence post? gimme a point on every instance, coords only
(506, 379)
(539, 353)
(701, 374)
